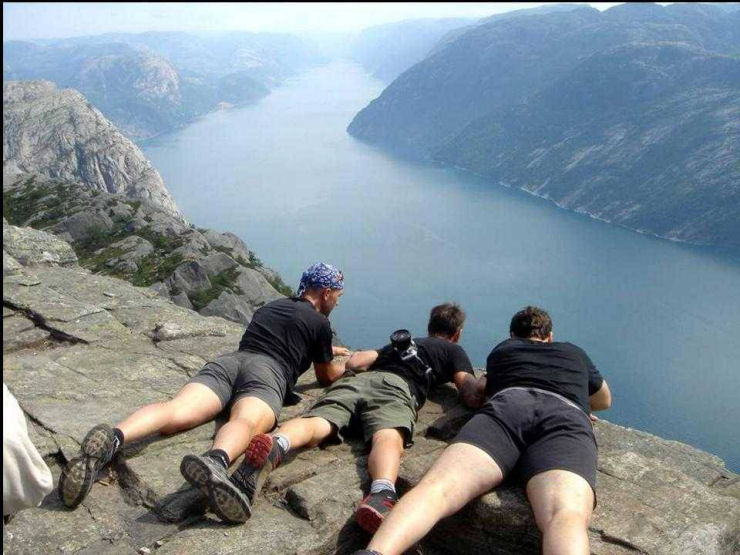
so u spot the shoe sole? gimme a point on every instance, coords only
(258, 450)
(368, 518)
(224, 498)
(79, 475)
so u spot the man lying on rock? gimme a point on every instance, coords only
(384, 400)
(537, 419)
(282, 340)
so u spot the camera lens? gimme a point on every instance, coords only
(401, 340)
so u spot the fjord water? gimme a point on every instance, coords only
(660, 319)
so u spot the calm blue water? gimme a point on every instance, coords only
(659, 319)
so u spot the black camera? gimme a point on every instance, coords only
(401, 340)
(405, 346)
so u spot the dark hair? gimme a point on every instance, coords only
(445, 319)
(531, 322)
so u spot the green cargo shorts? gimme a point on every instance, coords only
(380, 400)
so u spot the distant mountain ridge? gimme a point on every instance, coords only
(150, 83)
(630, 115)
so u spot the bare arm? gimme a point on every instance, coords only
(328, 372)
(471, 390)
(602, 399)
(361, 360)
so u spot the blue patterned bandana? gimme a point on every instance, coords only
(320, 276)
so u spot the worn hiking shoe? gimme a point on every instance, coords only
(97, 450)
(374, 508)
(204, 472)
(263, 455)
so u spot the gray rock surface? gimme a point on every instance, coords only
(109, 347)
(31, 247)
(210, 272)
(57, 133)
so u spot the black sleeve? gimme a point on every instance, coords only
(383, 354)
(457, 361)
(595, 380)
(322, 351)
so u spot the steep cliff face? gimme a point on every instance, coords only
(80, 349)
(58, 134)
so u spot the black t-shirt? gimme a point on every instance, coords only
(443, 357)
(292, 332)
(559, 367)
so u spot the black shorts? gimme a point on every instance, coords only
(244, 374)
(534, 432)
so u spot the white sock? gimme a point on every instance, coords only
(379, 485)
(283, 442)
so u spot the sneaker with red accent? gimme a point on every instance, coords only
(374, 508)
(263, 455)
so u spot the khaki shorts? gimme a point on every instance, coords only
(379, 400)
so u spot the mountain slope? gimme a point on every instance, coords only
(630, 115)
(154, 82)
(388, 50)
(58, 134)
(644, 135)
(506, 61)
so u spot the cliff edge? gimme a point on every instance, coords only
(80, 348)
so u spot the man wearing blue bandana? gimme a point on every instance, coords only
(281, 342)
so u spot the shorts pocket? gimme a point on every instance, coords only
(401, 388)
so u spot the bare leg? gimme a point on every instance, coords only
(462, 472)
(249, 416)
(385, 455)
(562, 502)
(193, 405)
(306, 432)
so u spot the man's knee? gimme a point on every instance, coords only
(391, 436)
(567, 517)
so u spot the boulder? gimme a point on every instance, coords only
(83, 225)
(10, 265)
(217, 263)
(32, 247)
(227, 242)
(189, 277)
(230, 306)
(254, 287)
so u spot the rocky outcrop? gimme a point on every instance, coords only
(29, 246)
(213, 273)
(81, 348)
(58, 134)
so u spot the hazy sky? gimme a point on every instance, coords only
(24, 20)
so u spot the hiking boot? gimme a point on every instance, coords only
(97, 450)
(374, 508)
(224, 498)
(263, 455)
